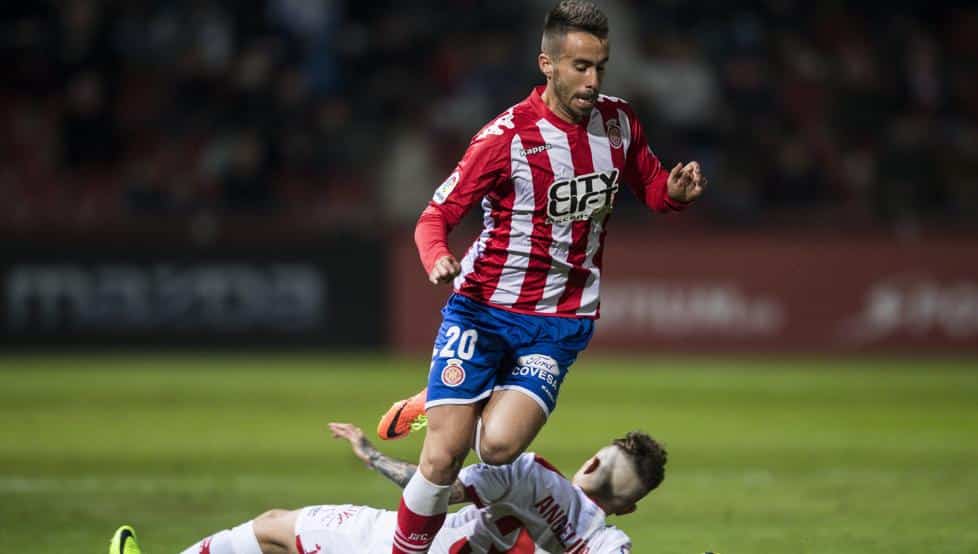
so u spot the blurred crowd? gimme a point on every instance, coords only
(333, 113)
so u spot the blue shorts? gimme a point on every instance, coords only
(480, 349)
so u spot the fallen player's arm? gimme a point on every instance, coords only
(397, 471)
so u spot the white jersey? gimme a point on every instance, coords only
(529, 502)
(526, 507)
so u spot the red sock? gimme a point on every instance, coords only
(420, 515)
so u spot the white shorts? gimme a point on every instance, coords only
(344, 529)
(350, 529)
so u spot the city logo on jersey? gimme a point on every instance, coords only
(582, 197)
(453, 374)
(446, 188)
(613, 130)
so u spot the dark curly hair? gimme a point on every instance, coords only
(572, 15)
(648, 456)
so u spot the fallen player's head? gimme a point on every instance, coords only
(621, 474)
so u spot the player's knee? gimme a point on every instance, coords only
(442, 464)
(496, 452)
(274, 530)
(272, 515)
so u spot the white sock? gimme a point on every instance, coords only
(239, 540)
(420, 515)
(478, 438)
(423, 497)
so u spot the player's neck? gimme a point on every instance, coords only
(596, 498)
(554, 105)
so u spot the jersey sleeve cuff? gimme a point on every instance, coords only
(676, 205)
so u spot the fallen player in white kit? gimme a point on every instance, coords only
(525, 507)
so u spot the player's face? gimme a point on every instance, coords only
(577, 73)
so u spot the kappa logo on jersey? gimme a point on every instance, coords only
(613, 130)
(583, 196)
(454, 374)
(536, 149)
(446, 188)
(541, 366)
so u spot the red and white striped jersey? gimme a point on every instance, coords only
(527, 507)
(547, 188)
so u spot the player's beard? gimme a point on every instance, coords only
(566, 96)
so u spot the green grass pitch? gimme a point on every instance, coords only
(766, 455)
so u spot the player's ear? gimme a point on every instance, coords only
(592, 466)
(546, 65)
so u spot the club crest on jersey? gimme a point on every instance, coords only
(453, 374)
(582, 197)
(613, 130)
(446, 188)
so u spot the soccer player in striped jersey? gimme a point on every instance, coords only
(546, 173)
(526, 507)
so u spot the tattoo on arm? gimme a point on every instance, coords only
(398, 471)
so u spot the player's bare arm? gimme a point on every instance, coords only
(397, 471)
(686, 183)
(445, 270)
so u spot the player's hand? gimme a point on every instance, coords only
(445, 270)
(686, 183)
(361, 446)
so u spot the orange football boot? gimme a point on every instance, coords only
(403, 417)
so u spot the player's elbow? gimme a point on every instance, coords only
(497, 453)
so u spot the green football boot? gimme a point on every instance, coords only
(124, 541)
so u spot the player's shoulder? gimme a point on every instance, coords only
(503, 126)
(607, 100)
(610, 540)
(500, 129)
(612, 104)
(540, 463)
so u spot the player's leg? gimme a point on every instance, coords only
(510, 421)
(526, 391)
(463, 373)
(448, 441)
(424, 503)
(237, 540)
(275, 531)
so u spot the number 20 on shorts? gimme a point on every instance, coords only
(466, 343)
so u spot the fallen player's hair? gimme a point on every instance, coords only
(648, 456)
